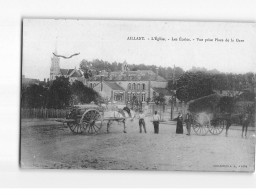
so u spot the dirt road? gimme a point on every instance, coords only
(48, 144)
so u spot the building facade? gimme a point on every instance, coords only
(118, 86)
(131, 83)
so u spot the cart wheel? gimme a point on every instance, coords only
(91, 121)
(218, 126)
(75, 127)
(200, 129)
(201, 124)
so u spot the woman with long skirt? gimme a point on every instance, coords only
(179, 127)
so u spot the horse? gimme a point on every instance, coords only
(119, 115)
(232, 119)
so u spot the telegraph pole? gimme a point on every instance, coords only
(173, 83)
(173, 75)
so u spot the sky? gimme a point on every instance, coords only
(108, 40)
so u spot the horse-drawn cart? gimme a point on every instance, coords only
(212, 114)
(88, 119)
(203, 123)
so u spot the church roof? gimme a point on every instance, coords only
(77, 73)
(68, 72)
(65, 72)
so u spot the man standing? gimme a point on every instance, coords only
(245, 124)
(188, 122)
(142, 121)
(156, 119)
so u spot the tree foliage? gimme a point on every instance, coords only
(86, 67)
(159, 99)
(59, 93)
(193, 85)
(82, 94)
(34, 96)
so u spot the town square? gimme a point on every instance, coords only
(135, 107)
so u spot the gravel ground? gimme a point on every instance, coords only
(49, 144)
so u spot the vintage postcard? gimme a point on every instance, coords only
(138, 95)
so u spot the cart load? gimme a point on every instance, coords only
(212, 114)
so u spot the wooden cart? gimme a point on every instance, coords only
(88, 119)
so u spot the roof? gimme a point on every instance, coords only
(140, 75)
(210, 97)
(164, 91)
(76, 74)
(67, 72)
(114, 86)
(64, 71)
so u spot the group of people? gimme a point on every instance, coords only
(179, 127)
(188, 120)
(156, 120)
(142, 124)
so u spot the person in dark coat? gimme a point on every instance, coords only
(179, 127)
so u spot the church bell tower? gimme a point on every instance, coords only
(55, 66)
(125, 67)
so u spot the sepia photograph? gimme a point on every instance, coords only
(137, 95)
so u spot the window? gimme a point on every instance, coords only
(129, 86)
(143, 98)
(138, 96)
(114, 96)
(138, 86)
(133, 86)
(129, 97)
(143, 86)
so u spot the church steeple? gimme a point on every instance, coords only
(125, 67)
(55, 65)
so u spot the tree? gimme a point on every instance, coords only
(33, 96)
(59, 93)
(193, 85)
(134, 101)
(86, 66)
(159, 99)
(148, 100)
(83, 94)
(171, 85)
